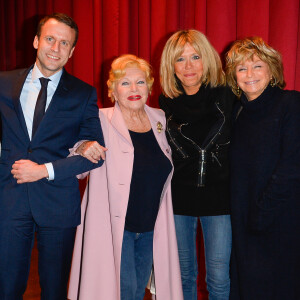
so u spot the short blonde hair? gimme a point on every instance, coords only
(245, 49)
(212, 66)
(118, 70)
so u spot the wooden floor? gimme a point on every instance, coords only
(33, 287)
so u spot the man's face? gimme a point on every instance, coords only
(54, 47)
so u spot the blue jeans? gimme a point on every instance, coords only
(136, 264)
(217, 246)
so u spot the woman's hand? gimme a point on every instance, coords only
(92, 151)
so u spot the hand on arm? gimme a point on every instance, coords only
(28, 171)
(90, 130)
(92, 151)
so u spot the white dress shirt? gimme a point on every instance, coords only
(28, 98)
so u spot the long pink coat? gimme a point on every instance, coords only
(97, 253)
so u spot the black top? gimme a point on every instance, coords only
(265, 193)
(194, 123)
(150, 171)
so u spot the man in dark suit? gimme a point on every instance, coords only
(44, 111)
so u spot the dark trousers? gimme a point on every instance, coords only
(55, 247)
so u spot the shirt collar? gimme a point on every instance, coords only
(36, 74)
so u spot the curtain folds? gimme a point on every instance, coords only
(110, 28)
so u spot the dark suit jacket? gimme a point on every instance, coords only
(71, 116)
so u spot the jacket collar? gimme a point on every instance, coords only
(20, 80)
(59, 96)
(119, 124)
(117, 121)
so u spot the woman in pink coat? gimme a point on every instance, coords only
(127, 228)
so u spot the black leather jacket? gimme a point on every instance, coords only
(211, 150)
(202, 166)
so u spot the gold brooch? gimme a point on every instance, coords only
(159, 127)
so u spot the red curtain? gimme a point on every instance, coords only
(108, 28)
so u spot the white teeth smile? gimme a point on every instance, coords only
(53, 57)
(251, 82)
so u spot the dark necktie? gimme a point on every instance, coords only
(40, 106)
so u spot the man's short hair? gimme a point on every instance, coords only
(60, 17)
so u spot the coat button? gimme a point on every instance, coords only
(29, 150)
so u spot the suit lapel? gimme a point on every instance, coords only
(20, 80)
(60, 95)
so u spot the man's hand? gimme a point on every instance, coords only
(28, 171)
(92, 151)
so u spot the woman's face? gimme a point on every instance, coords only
(253, 76)
(189, 69)
(131, 91)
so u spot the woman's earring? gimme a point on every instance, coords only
(273, 82)
(238, 91)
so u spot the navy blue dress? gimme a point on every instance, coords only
(265, 203)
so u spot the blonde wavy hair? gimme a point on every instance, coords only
(212, 66)
(245, 49)
(118, 70)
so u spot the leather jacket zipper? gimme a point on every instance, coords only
(203, 153)
(202, 160)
